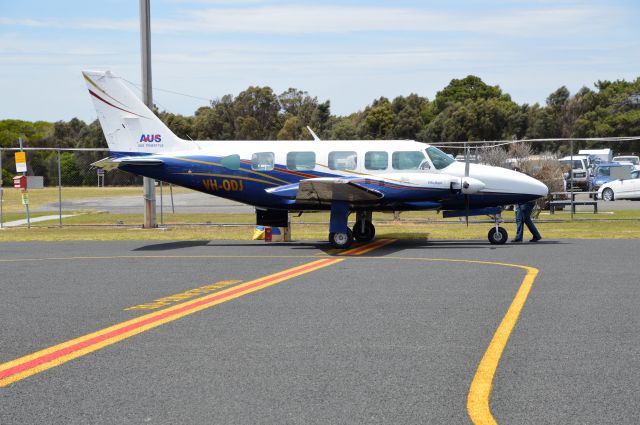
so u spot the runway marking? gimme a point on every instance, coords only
(363, 249)
(161, 302)
(56, 355)
(42, 360)
(479, 391)
(481, 387)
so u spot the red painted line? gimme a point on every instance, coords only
(366, 247)
(111, 104)
(79, 346)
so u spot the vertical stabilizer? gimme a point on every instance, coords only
(128, 124)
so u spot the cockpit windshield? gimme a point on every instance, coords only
(439, 159)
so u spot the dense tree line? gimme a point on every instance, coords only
(467, 109)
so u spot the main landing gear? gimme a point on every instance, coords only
(364, 230)
(497, 235)
(340, 236)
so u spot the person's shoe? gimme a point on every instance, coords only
(535, 239)
(516, 240)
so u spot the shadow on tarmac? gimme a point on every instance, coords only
(399, 245)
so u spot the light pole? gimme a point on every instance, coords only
(145, 45)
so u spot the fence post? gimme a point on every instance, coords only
(59, 189)
(161, 205)
(1, 193)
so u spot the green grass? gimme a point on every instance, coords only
(91, 225)
(602, 226)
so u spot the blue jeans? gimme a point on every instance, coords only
(523, 216)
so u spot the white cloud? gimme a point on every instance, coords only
(295, 19)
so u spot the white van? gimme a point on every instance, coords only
(580, 170)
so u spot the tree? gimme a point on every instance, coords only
(69, 170)
(257, 110)
(411, 114)
(468, 88)
(378, 120)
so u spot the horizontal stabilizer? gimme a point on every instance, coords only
(113, 163)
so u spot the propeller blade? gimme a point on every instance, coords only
(466, 209)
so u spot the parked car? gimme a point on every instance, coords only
(632, 159)
(604, 173)
(621, 189)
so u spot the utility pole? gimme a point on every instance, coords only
(147, 97)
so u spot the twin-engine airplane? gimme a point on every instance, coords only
(278, 177)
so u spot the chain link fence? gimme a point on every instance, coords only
(72, 193)
(68, 191)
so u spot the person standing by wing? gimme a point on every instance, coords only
(523, 216)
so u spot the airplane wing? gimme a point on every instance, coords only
(113, 163)
(327, 189)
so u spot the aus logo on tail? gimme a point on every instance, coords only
(146, 138)
(150, 141)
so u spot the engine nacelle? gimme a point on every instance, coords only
(468, 185)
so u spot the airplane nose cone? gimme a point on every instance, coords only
(539, 188)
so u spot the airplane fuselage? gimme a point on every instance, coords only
(404, 171)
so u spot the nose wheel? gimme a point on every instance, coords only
(498, 235)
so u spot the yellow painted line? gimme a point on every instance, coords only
(480, 390)
(363, 249)
(56, 355)
(481, 386)
(161, 302)
(42, 360)
(151, 257)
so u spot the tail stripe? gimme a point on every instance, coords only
(111, 104)
(93, 83)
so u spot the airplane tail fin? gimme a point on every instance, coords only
(128, 124)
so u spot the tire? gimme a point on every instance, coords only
(368, 234)
(498, 237)
(341, 240)
(607, 194)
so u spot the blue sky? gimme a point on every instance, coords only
(349, 52)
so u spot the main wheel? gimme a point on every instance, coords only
(366, 235)
(341, 240)
(607, 194)
(498, 237)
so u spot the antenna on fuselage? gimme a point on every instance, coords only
(315, 136)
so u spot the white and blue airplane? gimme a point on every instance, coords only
(278, 177)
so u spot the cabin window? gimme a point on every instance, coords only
(232, 162)
(407, 160)
(301, 160)
(440, 159)
(344, 160)
(262, 161)
(376, 160)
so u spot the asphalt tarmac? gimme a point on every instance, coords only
(393, 335)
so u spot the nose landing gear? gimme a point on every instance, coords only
(497, 235)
